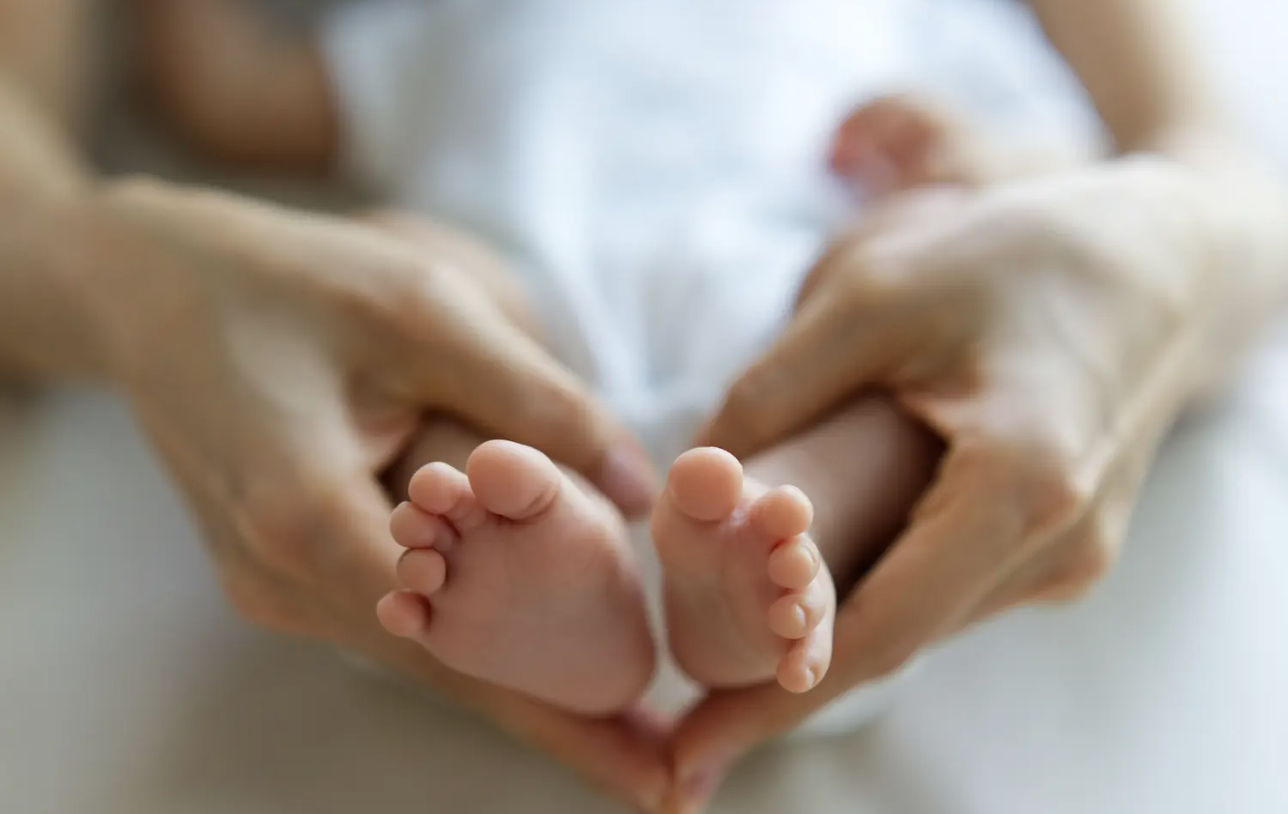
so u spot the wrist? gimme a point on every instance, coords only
(114, 269)
(65, 282)
(1239, 211)
(46, 331)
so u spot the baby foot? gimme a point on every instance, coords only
(747, 595)
(901, 142)
(515, 575)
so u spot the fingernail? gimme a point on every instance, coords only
(811, 677)
(651, 801)
(626, 478)
(702, 438)
(802, 616)
(697, 786)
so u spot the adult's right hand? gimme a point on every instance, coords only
(279, 362)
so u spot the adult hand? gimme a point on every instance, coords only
(279, 362)
(1049, 330)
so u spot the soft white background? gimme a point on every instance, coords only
(126, 687)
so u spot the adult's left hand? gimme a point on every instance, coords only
(1050, 330)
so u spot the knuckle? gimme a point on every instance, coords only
(1027, 223)
(252, 598)
(1057, 497)
(858, 269)
(1092, 555)
(406, 301)
(890, 659)
(560, 406)
(871, 277)
(888, 656)
(743, 419)
(1041, 475)
(560, 413)
(281, 531)
(397, 296)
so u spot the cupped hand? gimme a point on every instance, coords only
(279, 361)
(1049, 331)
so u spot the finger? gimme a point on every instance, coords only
(938, 205)
(1066, 570)
(1076, 561)
(842, 339)
(625, 756)
(973, 528)
(486, 267)
(724, 726)
(356, 551)
(886, 310)
(481, 367)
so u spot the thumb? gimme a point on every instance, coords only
(833, 348)
(489, 373)
(726, 725)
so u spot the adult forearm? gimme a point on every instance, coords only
(1245, 208)
(44, 322)
(1140, 64)
(44, 328)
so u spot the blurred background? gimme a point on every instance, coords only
(127, 687)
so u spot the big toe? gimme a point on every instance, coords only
(705, 484)
(512, 480)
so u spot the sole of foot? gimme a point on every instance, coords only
(748, 598)
(519, 576)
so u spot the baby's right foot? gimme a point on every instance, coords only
(517, 576)
(748, 597)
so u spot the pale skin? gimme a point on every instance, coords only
(278, 450)
(1050, 423)
(494, 534)
(1204, 264)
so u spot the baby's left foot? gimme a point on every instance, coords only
(747, 595)
(897, 143)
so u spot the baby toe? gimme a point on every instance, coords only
(795, 615)
(806, 663)
(514, 481)
(422, 570)
(795, 563)
(705, 484)
(403, 613)
(442, 490)
(413, 527)
(782, 513)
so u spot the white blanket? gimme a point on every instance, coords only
(126, 685)
(656, 168)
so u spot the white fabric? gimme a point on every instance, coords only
(126, 687)
(655, 168)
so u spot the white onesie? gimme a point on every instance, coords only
(655, 169)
